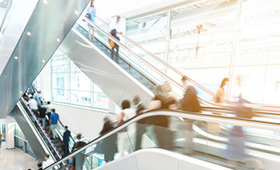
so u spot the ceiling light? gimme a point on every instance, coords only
(45, 1)
(29, 33)
(16, 57)
(43, 61)
(58, 40)
(21, 92)
(76, 12)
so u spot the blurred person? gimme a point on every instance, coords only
(66, 140)
(219, 98)
(37, 96)
(40, 166)
(48, 161)
(79, 158)
(189, 103)
(220, 94)
(114, 30)
(91, 12)
(185, 82)
(126, 135)
(141, 124)
(168, 88)
(108, 146)
(31, 90)
(1, 139)
(53, 121)
(42, 111)
(25, 97)
(161, 129)
(33, 105)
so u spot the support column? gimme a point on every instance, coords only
(10, 131)
(167, 38)
(234, 46)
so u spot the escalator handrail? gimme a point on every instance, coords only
(128, 63)
(186, 115)
(175, 70)
(74, 142)
(44, 132)
(161, 61)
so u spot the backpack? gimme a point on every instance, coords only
(111, 43)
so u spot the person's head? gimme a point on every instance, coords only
(167, 86)
(48, 102)
(135, 99)
(42, 104)
(79, 136)
(92, 3)
(31, 97)
(160, 93)
(106, 119)
(47, 156)
(53, 110)
(125, 104)
(39, 92)
(118, 19)
(224, 82)
(39, 165)
(66, 127)
(184, 80)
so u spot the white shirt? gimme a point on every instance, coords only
(47, 163)
(33, 104)
(114, 25)
(128, 113)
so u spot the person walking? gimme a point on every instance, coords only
(33, 105)
(53, 121)
(91, 12)
(79, 158)
(66, 139)
(42, 111)
(114, 29)
(141, 124)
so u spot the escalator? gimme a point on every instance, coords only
(187, 144)
(33, 45)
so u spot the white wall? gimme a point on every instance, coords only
(89, 122)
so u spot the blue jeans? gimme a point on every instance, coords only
(43, 121)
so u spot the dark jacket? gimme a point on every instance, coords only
(78, 145)
(106, 127)
(190, 101)
(66, 136)
(139, 108)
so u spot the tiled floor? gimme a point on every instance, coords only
(13, 159)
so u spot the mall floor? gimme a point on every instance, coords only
(13, 159)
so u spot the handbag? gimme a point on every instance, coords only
(88, 16)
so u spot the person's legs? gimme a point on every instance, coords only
(112, 52)
(53, 127)
(66, 151)
(44, 122)
(92, 34)
(141, 129)
(89, 36)
(117, 53)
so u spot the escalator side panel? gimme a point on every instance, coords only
(110, 77)
(29, 133)
(48, 25)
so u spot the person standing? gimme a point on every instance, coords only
(48, 161)
(141, 124)
(114, 29)
(79, 158)
(42, 111)
(40, 166)
(91, 12)
(1, 139)
(66, 139)
(38, 98)
(53, 121)
(220, 95)
(126, 135)
(33, 105)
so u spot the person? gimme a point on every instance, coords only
(38, 98)
(53, 121)
(48, 161)
(220, 95)
(189, 103)
(125, 136)
(33, 105)
(40, 166)
(141, 124)
(66, 139)
(1, 139)
(161, 129)
(167, 87)
(25, 97)
(79, 158)
(42, 111)
(114, 29)
(91, 11)
(108, 146)
(49, 107)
